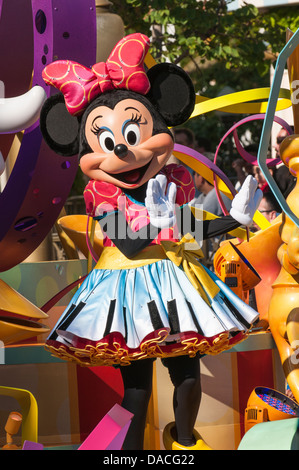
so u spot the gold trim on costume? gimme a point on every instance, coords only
(103, 355)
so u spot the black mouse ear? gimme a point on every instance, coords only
(59, 128)
(172, 93)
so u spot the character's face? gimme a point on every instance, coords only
(282, 134)
(124, 151)
(258, 175)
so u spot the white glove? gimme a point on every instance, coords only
(246, 202)
(161, 206)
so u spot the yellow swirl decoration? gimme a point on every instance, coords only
(241, 102)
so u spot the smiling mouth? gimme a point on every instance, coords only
(133, 176)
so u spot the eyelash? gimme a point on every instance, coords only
(135, 118)
(95, 129)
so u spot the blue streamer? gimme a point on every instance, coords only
(267, 126)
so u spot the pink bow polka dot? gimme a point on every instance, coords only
(124, 69)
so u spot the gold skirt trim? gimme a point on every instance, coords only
(103, 354)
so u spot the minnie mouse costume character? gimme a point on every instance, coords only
(148, 296)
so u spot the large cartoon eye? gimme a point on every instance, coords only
(107, 141)
(132, 134)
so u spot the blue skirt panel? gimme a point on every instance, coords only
(135, 303)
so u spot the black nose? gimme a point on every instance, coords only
(121, 150)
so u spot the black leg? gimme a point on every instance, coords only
(137, 379)
(185, 375)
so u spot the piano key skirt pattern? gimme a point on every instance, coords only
(161, 304)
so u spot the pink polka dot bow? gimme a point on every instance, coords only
(124, 69)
